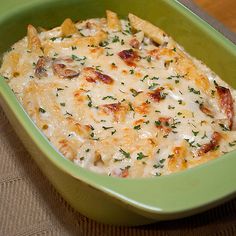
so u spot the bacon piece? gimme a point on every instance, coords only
(226, 103)
(113, 107)
(88, 25)
(118, 110)
(125, 173)
(40, 69)
(134, 43)
(154, 52)
(106, 79)
(205, 110)
(215, 139)
(129, 56)
(62, 71)
(90, 79)
(92, 76)
(156, 95)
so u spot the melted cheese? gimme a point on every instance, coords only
(134, 117)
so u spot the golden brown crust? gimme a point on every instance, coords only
(113, 21)
(68, 27)
(34, 43)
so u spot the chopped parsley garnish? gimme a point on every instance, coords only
(115, 39)
(232, 143)
(98, 68)
(157, 123)
(6, 78)
(131, 71)
(109, 97)
(153, 86)
(130, 107)
(53, 39)
(145, 77)
(195, 133)
(190, 143)
(90, 101)
(137, 127)
(154, 78)
(135, 92)
(215, 83)
(103, 44)
(124, 153)
(73, 48)
(216, 147)
(192, 90)
(76, 58)
(105, 128)
(69, 114)
(171, 107)
(162, 161)
(149, 59)
(60, 89)
(140, 156)
(41, 110)
(224, 128)
(62, 104)
(113, 132)
(204, 136)
(109, 54)
(87, 150)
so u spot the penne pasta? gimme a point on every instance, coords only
(113, 21)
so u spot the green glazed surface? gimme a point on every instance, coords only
(107, 199)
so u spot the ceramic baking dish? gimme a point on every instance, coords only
(107, 199)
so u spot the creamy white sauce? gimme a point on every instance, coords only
(117, 145)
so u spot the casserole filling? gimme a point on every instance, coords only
(121, 97)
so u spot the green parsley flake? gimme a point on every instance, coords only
(109, 97)
(137, 127)
(140, 156)
(124, 153)
(41, 110)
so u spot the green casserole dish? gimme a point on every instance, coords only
(112, 200)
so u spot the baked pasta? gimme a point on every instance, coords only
(121, 97)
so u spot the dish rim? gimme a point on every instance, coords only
(105, 183)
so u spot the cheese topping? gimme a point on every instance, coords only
(118, 102)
